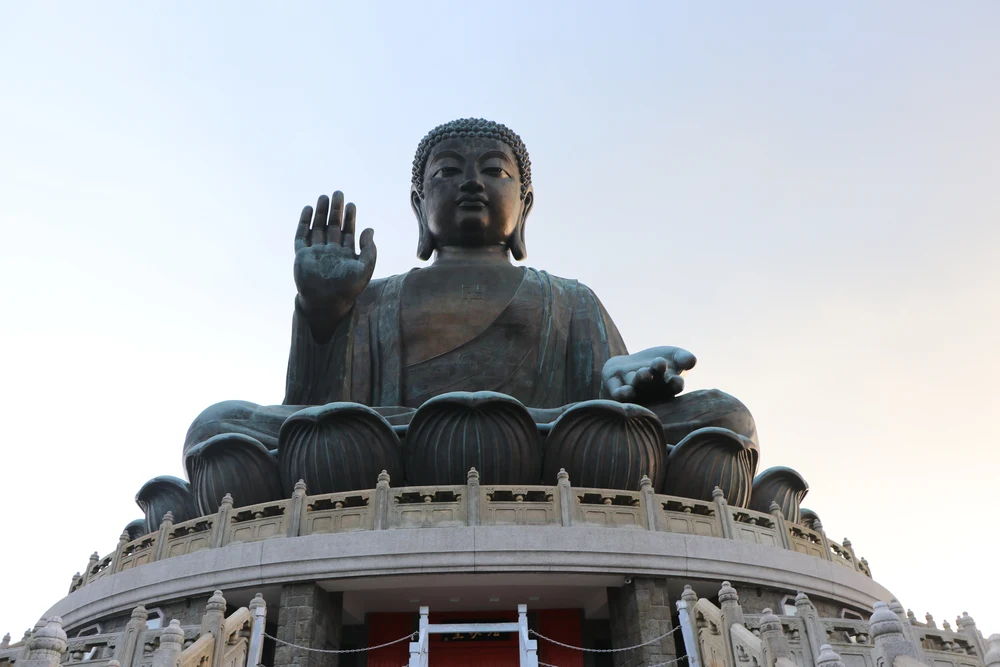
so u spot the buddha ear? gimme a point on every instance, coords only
(425, 241)
(516, 244)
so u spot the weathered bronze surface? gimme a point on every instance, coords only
(472, 322)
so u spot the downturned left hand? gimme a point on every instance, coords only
(648, 376)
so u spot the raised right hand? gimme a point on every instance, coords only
(329, 275)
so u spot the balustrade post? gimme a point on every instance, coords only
(908, 631)
(29, 634)
(5, 642)
(382, 501)
(528, 646)
(163, 536)
(94, 557)
(649, 501)
(296, 510)
(992, 658)
(732, 614)
(214, 623)
(725, 517)
(76, 582)
(815, 633)
(772, 638)
(685, 615)
(566, 506)
(221, 525)
(929, 620)
(46, 646)
(258, 616)
(418, 649)
(129, 646)
(967, 626)
(171, 645)
(887, 633)
(781, 525)
(123, 539)
(472, 497)
(827, 657)
(817, 525)
(850, 551)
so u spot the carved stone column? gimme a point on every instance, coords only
(640, 612)
(47, 645)
(887, 633)
(310, 618)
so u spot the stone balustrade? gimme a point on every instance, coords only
(220, 641)
(386, 508)
(807, 640)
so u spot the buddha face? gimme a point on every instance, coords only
(472, 196)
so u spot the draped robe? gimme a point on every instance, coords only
(546, 348)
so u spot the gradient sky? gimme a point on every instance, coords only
(806, 197)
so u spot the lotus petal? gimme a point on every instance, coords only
(485, 430)
(232, 463)
(607, 445)
(337, 447)
(711, 457)
(779, 485)
(166, 494)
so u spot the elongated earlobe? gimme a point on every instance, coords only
(425, 242)
(516, 244)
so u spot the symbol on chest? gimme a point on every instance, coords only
(472, 292)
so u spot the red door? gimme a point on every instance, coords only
(474, 650)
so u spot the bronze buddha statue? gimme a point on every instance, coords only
(470, 361)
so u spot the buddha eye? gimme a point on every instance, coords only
(445, 172)
(496, 172)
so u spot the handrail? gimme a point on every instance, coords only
(471, 504)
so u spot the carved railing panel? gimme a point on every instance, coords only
(615, 509)
(190, 536)
(257, 522)
(519, 506)
(427, 507)
(339, 512)
(711, 634)
(691, 517)
(756, 527)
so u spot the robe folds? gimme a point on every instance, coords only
(546, 348)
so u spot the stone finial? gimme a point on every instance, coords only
(75, 582)
(992, 658)
(689, 597)
(717, 493)
(216, 603)
(803, 604)
(910, 615)
(727, 593)
(774, 507)
(300, 486)
(168, 517)
(946, 626)
(645, 483)
(828, 657)
(51, 637)
(383, 478)
(124, 538)
(562, 475)
(26, 636)
(884, 622)
(140, 614)
(226, 500)
(896, 607)
(846, 543)
(258, 601)
(930, 620)
(769, 620)
(39, 625)
(172, 634)
(965, 621)
(472, 477)
(5, 642)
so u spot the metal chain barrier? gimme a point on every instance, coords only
(410, 637)
(658, 664)
(611, 650)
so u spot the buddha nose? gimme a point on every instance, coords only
(472, 183)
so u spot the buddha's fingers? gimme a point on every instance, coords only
(683, 360)
(302, 231)
(624, 394)
(318, 235)
(613, 384)
(368, 252)
(347, 237)
(336, 217)
(658, 365)
(675, 384)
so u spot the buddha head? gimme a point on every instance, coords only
(471, 187)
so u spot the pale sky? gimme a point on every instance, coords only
(807, 197)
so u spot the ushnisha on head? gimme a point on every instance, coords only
(471, 187)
